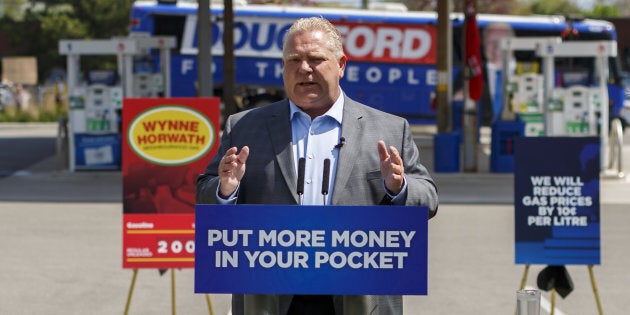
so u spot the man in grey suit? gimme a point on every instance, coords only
(374, 159)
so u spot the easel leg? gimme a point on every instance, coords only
(524, 279)
(133, 283)
(553, 301)
(595, 291)
(209, 304)
(173, 290)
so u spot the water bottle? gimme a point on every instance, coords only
(528, 302)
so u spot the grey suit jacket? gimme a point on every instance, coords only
(271, 177)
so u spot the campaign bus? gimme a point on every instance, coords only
(391, 55)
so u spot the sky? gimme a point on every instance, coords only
(584, 4)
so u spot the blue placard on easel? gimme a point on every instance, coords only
(286, 249)
(557, 200)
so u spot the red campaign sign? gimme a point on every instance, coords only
(166, 143)
(159, 241)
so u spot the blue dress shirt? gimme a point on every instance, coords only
(317, 140)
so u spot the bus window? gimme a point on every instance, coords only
(170, 25)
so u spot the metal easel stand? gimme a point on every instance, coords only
(595, 291)
(173, 305)
(553, 290)
(615, 159)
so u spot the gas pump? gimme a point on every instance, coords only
(550, 110)
(584, 108)
(95, 109)
(524, 95)
(521, 95)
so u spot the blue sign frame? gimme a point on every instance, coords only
(557, 200)
(290, 249)
(97, 151)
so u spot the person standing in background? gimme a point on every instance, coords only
(23, 97)
(491, 97)
(494, 63)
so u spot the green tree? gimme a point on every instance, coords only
(552, 7)
(483, 6)
(490, 6)
(604, 11)
(44, 23)
(13, 8)
(420, 5)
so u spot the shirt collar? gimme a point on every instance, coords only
(335, 112)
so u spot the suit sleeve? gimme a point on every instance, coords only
(208, 182)
(421, 189)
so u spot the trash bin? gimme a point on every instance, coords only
(502, 144)
(446, 152)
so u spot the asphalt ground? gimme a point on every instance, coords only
(61, 242)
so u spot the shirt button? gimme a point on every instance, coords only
(308, 180)
(310, 156)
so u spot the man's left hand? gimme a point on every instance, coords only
(392, 168)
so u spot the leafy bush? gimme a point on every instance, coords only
(33, 114)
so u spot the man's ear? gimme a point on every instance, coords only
(342, 65)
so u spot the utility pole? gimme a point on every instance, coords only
(229, 73)
(470, 123)
(204, 57)
(444, 68)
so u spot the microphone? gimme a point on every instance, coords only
(325, 179)
(342, 141)
(300, 178)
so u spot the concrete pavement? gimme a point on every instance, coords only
(61, 237)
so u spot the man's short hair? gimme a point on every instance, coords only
(316, 24)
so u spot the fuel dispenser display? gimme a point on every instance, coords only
(101, 108)
(572, 111)
(527, 102)
(148, 84)
(580, 106)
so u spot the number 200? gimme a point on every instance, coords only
(176, 247)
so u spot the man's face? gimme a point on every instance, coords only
(492, 48)
(311, 72)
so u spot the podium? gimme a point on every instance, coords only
(290, 249)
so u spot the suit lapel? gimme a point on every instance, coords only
(279, 127)
(348, 154)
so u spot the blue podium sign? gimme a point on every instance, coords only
(290, 249)
(556, 200)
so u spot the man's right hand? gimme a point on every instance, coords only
(232, 169)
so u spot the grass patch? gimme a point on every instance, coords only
(32, 114)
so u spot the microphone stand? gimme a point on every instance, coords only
(325, 179)
(300, 179)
